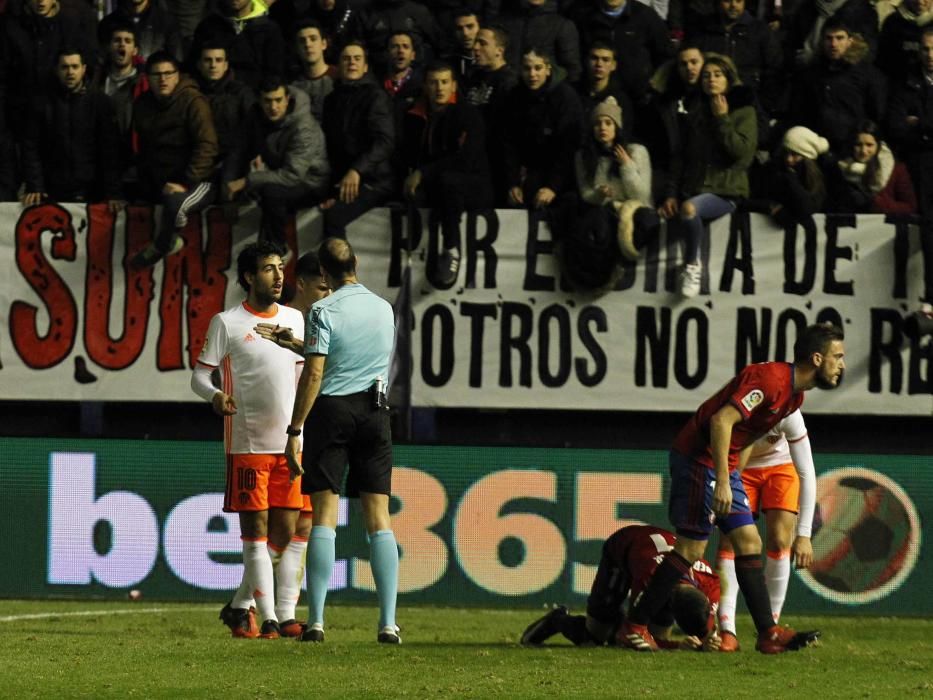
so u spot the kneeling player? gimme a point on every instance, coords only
(629, 558)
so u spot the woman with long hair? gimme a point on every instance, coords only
(871, 180)
(711, 171)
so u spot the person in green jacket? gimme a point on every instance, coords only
(711, 171)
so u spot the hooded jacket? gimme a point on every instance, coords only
(292, 148)
(832, 97)
(177, 139)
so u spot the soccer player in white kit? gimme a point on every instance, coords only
(258, 381)
(780, 480)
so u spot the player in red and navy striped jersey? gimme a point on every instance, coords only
(629, 558)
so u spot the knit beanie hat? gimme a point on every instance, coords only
(609, 108)
(802, 141)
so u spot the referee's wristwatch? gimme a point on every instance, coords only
(294, 432)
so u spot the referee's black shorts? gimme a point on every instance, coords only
(344, 431)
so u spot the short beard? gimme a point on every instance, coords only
(266, 298)
(823, 383)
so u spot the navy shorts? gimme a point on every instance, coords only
(690, 507)
(342, 432)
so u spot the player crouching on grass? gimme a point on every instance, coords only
(629, 558)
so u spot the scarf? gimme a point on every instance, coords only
(854, 172)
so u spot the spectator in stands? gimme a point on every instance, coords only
(795, 188)
(806, 31)
(900, 36)
(188, 14)
(122, 77)
(711, 169)
(29, 45)
(359, 129)
(543, 128)
(638, 34)
(870, 180)
(465, 28)
(488, 89)
(403, 80)
(315, 77)
(154, 22)
(254, 42)
(675, 94)
(445, 154)
(751, 45)
(70, 149)
(380, 19)
(230, 100)
(538, 24)
(910, 127)
(336, 19)
(178, 149)
(447, 11)
(613, 172)
(282, 160)
(840, 90)
(601, 81)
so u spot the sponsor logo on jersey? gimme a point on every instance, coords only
(752, 399)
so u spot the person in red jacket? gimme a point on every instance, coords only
(871, 180)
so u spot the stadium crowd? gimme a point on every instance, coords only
(603, 115)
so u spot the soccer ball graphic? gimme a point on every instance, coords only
(866, 536)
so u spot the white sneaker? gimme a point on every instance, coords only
(389, 635)
(690, 279)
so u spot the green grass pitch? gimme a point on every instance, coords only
(146, 649)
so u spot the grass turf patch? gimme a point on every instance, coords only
(161, 650)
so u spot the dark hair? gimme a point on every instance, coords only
(161, 56)
(602, 46)
(438, 67)
(309, 23)
(214, 44)
(464, 11)
(69, 51)
(815, 338)
(121, 24)
(401, 32)
(834, 24)
(537, 51)
(501, 34)
(360, 44)
(272, 82)
(337, 258)
(248, 259)
(691, 610)
(592, 150)
(308, 265)
(871, 167)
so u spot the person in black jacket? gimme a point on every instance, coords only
(543, 129)
(360, 133)
(380, 19)
(537, 23)
(230, 100)
(70, 149)
(602, 82)
(638, 34)
(443, 148)
(154, 23)
(255, 46)
(840, 90)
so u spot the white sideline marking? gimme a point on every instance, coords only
(88, 613)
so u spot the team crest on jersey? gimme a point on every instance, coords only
(752, 399)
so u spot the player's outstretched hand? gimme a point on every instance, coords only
(690, 643)
(279, 335)
(712, 642)
(291, 456)
(802, 552)
(223, 404)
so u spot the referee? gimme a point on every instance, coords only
(341, 393)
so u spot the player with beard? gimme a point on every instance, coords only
(258, 381)
(706, 488)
